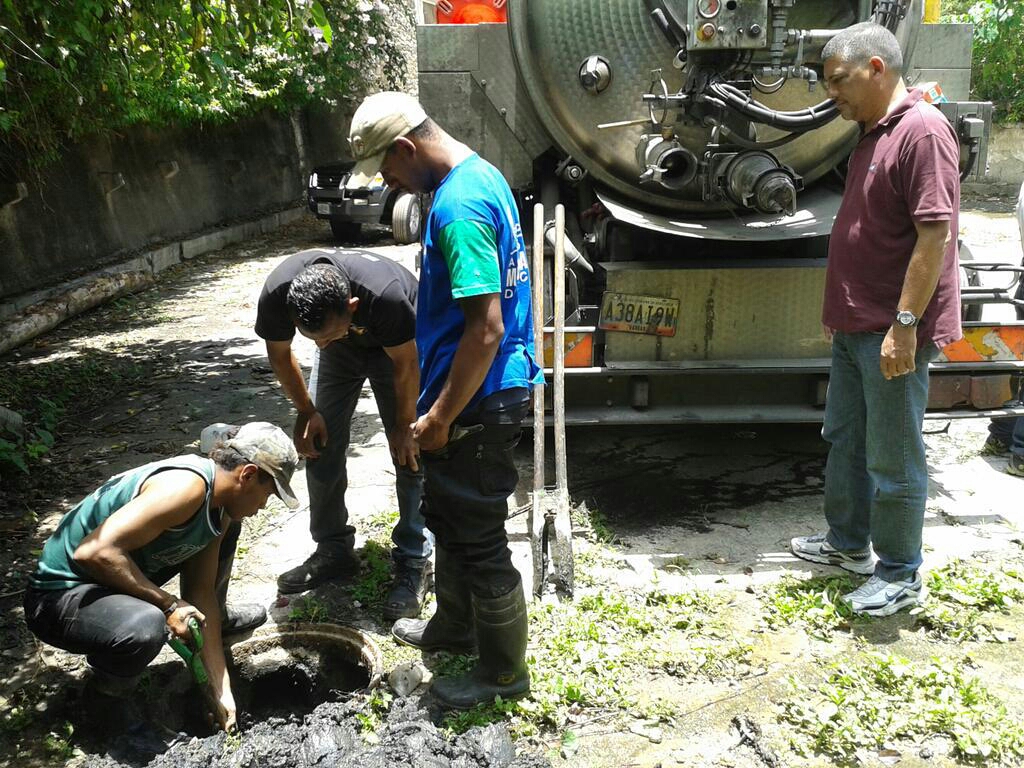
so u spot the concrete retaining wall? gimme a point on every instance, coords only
(1006, 155)
(107, 199)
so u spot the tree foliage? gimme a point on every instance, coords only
(74, 69)
(998, 58)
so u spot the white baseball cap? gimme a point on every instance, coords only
(379, 120)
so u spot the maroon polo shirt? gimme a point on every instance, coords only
(905, 169)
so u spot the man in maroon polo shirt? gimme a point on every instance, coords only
(892, 298)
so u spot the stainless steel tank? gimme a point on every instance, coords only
(646, 95)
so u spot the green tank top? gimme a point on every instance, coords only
(56, 568)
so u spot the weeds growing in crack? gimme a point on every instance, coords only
(378, 526)
(592, 523)
(58, 743)
(596, 658)
(813, 604)
(880, 700)
(371, 718)
(372, 587)
(309, 610)
(964, 597)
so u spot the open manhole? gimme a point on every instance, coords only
(290, 669)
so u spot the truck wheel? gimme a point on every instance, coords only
(344, 231)
(405, 219)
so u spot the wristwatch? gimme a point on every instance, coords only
(906, 319)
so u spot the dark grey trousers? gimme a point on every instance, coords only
(339, 372)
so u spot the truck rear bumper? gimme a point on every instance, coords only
(790, 392)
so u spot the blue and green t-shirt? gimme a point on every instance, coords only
(56, 568)
(473, 245)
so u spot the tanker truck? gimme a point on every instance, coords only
(700, 163)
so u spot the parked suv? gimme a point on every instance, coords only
(348, 209)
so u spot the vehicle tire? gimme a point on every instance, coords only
(345, 231)
(969, 277)
(405, 219)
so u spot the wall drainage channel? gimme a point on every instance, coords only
(300, 691)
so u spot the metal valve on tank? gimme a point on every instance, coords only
(663, 160)
(755, 179)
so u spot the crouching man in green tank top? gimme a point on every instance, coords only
(96, 588)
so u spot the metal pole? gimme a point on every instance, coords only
(561, 473)
(537, 519)
(538, 345)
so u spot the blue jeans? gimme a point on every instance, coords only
(339, 373)
(876, 477)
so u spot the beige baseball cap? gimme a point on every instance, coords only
(265, 445)
(380, 119)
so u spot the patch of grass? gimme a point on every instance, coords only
(814, 604)
(961, 598)
(371, 719)
(592, 522)
(372, 587)
(878, 699)
(45, 392)
(19, 713)
(309, 610)
(592, 657)
(594, 565)
(58, 743)
(379, 525)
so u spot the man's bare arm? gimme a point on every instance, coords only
(407, 389)
(310, 431)
(899, 347)
(925, 265)
(198, 586)
(289, 374)
(168, 499)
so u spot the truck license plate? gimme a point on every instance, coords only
(652, 315)
(324, 208)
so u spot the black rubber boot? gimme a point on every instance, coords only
(502, 627)
(409, 587)
(451, 626)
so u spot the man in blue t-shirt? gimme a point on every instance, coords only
(474, 334)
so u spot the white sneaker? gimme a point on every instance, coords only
(878, 597)
(817, 549)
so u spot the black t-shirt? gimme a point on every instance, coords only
(385, 316)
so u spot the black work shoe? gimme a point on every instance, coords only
(408, 589)
(242, 618)
(317, 569)
(995, 446)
